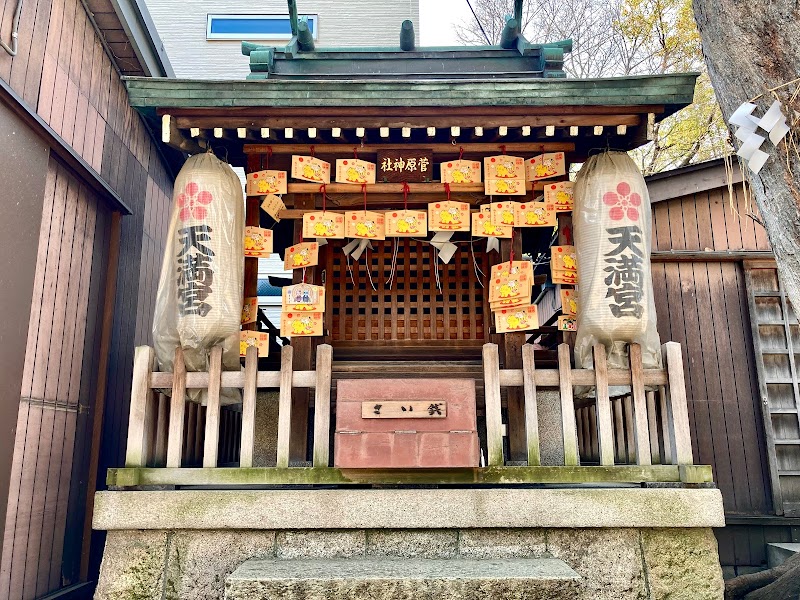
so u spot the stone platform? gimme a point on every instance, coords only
(623, 542)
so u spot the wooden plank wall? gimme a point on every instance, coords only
(63, 72)
(703, 305)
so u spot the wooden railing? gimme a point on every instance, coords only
(622, 437)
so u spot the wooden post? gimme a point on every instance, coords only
(141, 405)
(494, 416)
(284, 407)
(177, 410)
(322, 406)
(211, 445)
(249, 393)
(641, 427)
(652, 423)
(605, 429)
(666, 452)
(569, 429)
(531, 408)
(252, 217)
(303, 351)
(677, 408)
(512, 359)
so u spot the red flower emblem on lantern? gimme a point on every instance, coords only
(193, 202)
(623, 202)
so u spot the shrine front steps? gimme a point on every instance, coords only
(384, 578)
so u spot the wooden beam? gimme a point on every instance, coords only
(387, 112)
(641, 427)
(433, 187)
(437, 148)
(677, 407)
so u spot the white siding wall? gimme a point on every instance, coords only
(182, 27)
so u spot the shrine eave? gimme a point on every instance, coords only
(672, 91)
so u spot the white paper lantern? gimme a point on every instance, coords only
(199, 300)
(613, 229)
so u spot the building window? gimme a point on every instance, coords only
(253, 27)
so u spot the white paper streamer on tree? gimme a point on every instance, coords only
(773, 123)
(612, 226)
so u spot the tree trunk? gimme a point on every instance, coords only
(751, 47)
(779, 583)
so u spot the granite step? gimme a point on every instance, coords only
(385, 578)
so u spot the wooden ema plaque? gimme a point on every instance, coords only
(398, 166)
(327, 224)
(355, 171)
(259, 339)
(545, 166)
(257, 242)
(308, 168)
(406, 223)
(301, 255)
(261, 183)
(561, 194)
(535, 214)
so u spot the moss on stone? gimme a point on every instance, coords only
(682, 564)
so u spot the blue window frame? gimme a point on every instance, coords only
(253, 27)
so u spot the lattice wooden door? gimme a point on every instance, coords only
(368, 307)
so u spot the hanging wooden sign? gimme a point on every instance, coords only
(364, 224)
(257, 242)
(567, 323)
(355, 171)
(523, 318)
(504, 167)
(304, 297)
(406, 223)
(483, 226)
(273, 206)
(448, 215)
(545, 166)
(404, 409)
(301, 255)
(496, 305)
(535, 214)
(301, 324)
(560, 276)
(259, 339)
(397, 166)
(250, 311)
(511, 280)
(311, 169)
(569, 303)
(461, 171)
(261, 183)
(562, 258)
(327, 224)
(561, 195)
(502, 213)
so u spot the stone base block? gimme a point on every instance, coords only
(379, 578)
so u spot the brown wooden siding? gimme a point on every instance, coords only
(707, 221)
(62, 72)
(704, 306)
(57, 387)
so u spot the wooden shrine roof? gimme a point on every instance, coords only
(673, 92)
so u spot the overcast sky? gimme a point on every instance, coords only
(437, 18)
